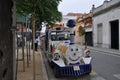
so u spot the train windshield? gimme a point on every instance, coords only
(58, 36)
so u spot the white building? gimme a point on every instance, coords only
(106, 25)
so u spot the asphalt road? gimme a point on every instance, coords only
(105, 66)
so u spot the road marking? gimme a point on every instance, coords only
(93, 73)
(98, 78)
(117, 76)
(95, 76)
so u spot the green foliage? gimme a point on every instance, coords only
(41, 10)
(83, 31)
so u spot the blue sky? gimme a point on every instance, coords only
(78, 6)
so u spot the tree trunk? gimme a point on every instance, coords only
(6, 40)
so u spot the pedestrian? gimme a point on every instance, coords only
(36, 43)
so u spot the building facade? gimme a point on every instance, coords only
(106, 25)
(84, 22)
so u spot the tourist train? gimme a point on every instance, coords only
(65, 56)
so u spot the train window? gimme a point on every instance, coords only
(53, 37)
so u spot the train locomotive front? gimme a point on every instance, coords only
(67, 59)
(71, 60)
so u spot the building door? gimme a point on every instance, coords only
(99, 35)
(114, 34)
(88, 38)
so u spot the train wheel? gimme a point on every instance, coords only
(56, 72)
(51, 65)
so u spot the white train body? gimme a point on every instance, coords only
(71, 54)
(68, 59)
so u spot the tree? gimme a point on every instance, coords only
(81, 31)
(81, 34)
(41, 10)
(6, 40)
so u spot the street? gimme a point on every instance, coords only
(105, 66)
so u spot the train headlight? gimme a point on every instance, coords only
(56, 56)
(87, 53)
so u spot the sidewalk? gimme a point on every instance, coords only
(28, 74)
(106, 50)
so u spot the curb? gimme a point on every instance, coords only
(43, 67)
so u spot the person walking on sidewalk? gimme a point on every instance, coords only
(36, 43)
